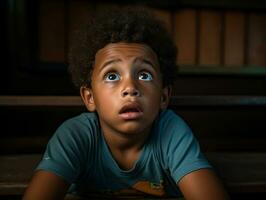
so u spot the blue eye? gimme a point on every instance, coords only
(112, 77)
(145, 76)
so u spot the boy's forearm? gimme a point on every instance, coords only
(46, 186)
(202, 185)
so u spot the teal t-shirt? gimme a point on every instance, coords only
(78, 153)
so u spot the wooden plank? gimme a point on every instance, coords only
(218, 142)
(257, 39)
(207, 141)
(185, 36)
(210, 32)
(234, 38)
(219, 100)
(230, 70)
(41, 101)
(16, 172)
(241, 172)
(52, 31)
(24, 144)
(230, 128)
(191, 100)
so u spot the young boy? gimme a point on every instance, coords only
(128, 143)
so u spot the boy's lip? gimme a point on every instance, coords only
(130, 111)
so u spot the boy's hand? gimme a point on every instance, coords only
(46, 186)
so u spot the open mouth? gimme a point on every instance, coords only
(131, 111)
(130, 108)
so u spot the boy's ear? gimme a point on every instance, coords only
(87, 97)
(165, 98)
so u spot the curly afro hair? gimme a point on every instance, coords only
(132, 25)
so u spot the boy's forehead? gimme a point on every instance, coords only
(126, 49)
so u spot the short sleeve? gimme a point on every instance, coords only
(67, 151)
(180, 149)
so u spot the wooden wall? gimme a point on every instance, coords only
(226, 43)
(229, 38)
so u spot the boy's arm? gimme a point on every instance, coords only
(202, 185)
(46, 186)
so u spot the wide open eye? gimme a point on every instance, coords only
(145, 76)
(112, 76)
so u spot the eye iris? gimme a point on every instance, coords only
(111, 76)
(144, 76)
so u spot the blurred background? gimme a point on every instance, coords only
(220, 90)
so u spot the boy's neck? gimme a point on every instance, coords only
(124, 142)
(126, 149)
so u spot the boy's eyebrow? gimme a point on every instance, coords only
(144, 60)
(138, 59)
(110, 62)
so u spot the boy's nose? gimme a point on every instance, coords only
(130, 87)
(130, 91)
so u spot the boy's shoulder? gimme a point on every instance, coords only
(169, 119)
(171, 127)
(83, 119)
(81, 126)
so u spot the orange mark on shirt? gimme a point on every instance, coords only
(156, 189)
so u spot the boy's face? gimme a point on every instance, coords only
(126, 88)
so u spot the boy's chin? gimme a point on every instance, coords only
(133, 128)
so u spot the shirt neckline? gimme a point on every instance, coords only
(107, 157)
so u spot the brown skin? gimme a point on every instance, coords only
(202, 184)
(46, 186)
(127, 75)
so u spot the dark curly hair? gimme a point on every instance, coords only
(132, 25)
